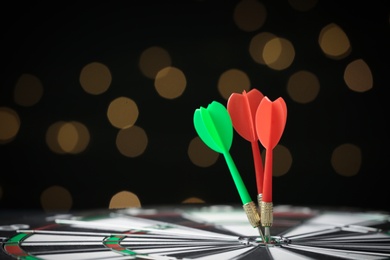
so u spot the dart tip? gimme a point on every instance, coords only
(267, 234)
(261, 234)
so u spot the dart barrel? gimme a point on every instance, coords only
(266, 212)
(252, 214)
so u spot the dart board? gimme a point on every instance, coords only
(195, 232)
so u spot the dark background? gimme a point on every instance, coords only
(54, 41)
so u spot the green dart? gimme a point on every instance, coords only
(214, 127)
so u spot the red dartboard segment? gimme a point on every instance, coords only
(13, 247)
(15, 250)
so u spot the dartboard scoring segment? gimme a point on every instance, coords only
(203, 233)
(123, 244)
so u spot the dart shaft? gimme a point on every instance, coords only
(267, 187)
(243, 192)
(258, 163)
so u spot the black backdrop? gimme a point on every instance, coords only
(54, 41)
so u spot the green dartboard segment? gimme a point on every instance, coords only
(113, 242)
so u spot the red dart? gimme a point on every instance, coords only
(242, 109)
(270, 122)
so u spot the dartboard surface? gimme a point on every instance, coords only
(195, 232)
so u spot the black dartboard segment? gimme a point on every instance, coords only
(197, 232)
